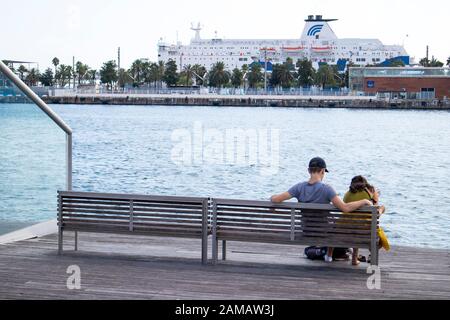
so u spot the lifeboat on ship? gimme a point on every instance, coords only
(270, 52)
(294, 51)
(321, 49)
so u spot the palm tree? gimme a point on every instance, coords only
(171, 75)
(424, 62)
(124, 78)
(237, 78)
(137, 72)
(160, 73)
(146, 72)
(81, 71)
(46, 78)
(55, 62)
(431, 63)
(286, 77)
(22, 71)
(255, 75)
(32, 77)
(188, 73)
(436, 63)
(218, 76)
(91, 75)
(306, 73)
(200, 74)
(325, 76)
(63, 75)
(108, 73)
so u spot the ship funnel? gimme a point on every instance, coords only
(318, 28)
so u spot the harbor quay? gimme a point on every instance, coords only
(368, 102)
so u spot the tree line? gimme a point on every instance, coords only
(144, 73)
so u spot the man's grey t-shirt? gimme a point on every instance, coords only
(313, 193)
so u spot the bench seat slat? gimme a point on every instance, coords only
(155, 232)
(317, 232)
(127, 223)
(127, 219)
(127, 212)
(356, 229)
(298, 240)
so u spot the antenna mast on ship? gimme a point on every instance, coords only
(197, 31)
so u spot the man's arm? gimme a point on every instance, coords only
(349, 207)
(281, 197)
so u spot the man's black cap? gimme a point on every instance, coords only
(318, 163)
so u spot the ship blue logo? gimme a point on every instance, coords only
(315, 29)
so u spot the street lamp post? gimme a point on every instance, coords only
(265, 71)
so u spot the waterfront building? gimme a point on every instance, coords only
(318, 43)
(402, 83)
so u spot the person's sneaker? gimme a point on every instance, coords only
(327, 258)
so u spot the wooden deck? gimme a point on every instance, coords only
(123, 267)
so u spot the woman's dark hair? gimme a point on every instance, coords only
(359, 183)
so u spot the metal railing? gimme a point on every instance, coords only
(49, 112)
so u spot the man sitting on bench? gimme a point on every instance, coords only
(315, 191)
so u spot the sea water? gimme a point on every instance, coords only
(133, 149)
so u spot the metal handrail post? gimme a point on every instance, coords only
(49, 112)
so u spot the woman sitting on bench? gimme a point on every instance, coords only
(360, 189)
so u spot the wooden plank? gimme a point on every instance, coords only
(127, 209)
(90, 202)
(100, 223)
(169, 233)
(115, 196)
(287, 205)
(127, 213)
(287, 215)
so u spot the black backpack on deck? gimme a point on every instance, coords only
(316, 253)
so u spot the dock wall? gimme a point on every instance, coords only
(250, 101)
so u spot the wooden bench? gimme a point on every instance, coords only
(133, 214)
(294, 224)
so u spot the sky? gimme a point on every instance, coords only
(92, 30)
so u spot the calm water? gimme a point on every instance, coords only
(406, 154)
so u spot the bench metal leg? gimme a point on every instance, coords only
(60, 242)
(76, 240)
(205, 249)
(224, 250)
(215, 249)
(374, 257)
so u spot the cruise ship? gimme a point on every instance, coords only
(318, 43)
